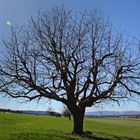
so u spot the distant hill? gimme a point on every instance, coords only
(52, 113)
(35, 112)
(95, 113)
(9, 110)
(113, 113)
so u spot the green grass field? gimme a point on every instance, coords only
(35, 127)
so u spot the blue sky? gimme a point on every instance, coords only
(124, 14)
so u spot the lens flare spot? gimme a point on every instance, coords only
(9, 23)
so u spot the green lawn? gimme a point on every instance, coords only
(35, 127)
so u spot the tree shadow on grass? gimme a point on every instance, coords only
(124, 138)
(98, 138)
(39, 136)
(50, 136)
(87, 135)
(114, 138)
(103, 136)
(59, 135)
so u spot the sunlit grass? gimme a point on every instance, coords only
(36, 127)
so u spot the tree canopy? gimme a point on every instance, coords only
(75, 59)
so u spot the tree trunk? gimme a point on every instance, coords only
(78, 116)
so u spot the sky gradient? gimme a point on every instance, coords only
(124, 15)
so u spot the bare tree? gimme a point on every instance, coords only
(50, 109)
(77, 60)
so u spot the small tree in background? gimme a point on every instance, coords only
(50, 109)
(66, 112)
(74, 59)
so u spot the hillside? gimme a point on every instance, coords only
(95, 113)
(40, 127)
(113, 113)
(53, 113)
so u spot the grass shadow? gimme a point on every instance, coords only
(49, 135)
(103, 136)
(59, 135)
(124, 138)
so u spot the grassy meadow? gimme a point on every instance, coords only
(37, 127)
